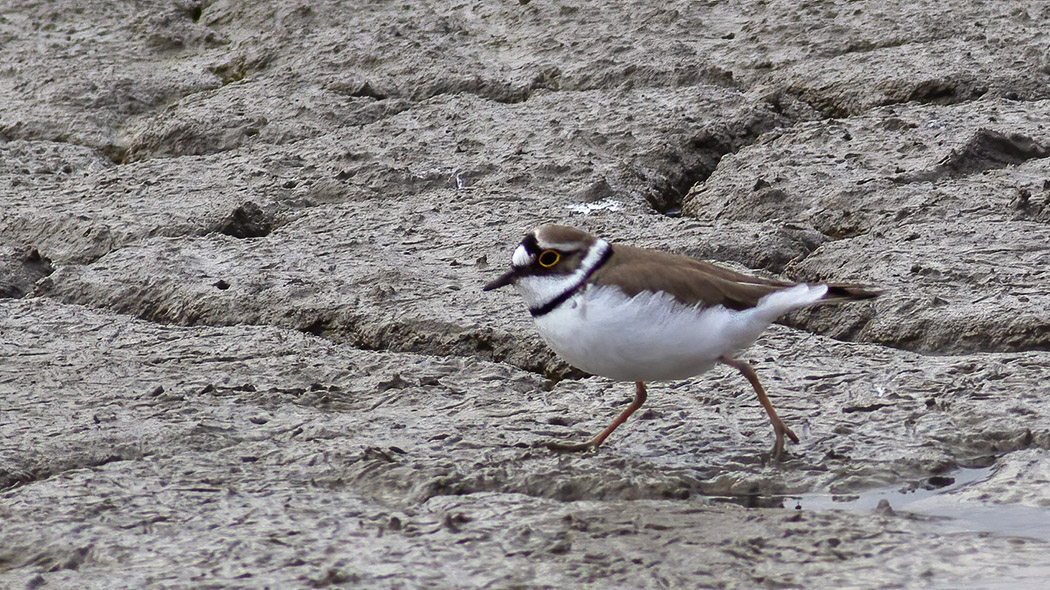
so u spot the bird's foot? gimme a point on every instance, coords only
(780, 430)
(560, 446)
(777, 453)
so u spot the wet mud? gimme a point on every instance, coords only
(243, 342)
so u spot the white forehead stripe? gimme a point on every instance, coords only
(521, 257)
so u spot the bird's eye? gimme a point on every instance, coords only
(548, 258)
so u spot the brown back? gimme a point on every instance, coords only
(690, 281)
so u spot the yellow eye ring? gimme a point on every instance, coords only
(548, 258)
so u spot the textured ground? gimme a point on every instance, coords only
(243, 343)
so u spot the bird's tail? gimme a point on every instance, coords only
(782, 301)
(839, 292)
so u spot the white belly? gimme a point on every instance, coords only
(648, 337)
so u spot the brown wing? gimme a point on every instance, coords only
(690, 281)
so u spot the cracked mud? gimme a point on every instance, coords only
(243, 343)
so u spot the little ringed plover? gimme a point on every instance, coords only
(635, 314)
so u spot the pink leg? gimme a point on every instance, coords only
(640, 396)
(779, 429)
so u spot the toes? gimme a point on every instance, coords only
(570, 447)
(778, 450)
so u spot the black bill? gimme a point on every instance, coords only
(503, 281)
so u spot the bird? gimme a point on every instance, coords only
(637, 314)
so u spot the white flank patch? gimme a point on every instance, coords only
(652, 337)
(648, 337)
(602, 205)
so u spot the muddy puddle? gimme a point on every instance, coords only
(940, 505)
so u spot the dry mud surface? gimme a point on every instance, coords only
(243, 343)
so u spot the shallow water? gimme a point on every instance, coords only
(947, 512)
